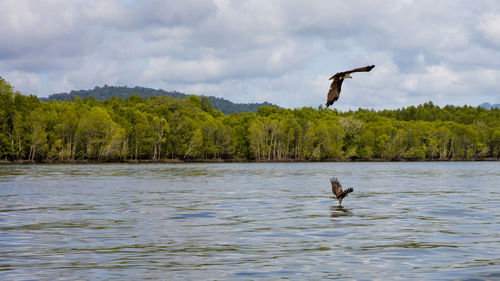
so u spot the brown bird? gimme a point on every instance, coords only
(337, 190)
(338, 78)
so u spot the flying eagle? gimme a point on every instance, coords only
(337, 190)
(338, 78)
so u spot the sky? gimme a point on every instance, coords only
(280, 51)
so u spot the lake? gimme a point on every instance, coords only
(247, 221)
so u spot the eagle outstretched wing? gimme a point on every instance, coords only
(334, 92)
(359, 69)
(338, 78)
(336, 186)
(345, 192)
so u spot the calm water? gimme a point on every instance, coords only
(423, 221)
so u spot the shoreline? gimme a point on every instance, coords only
(174, 161)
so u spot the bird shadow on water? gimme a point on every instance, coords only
(338, 211)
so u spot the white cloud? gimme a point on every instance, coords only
(489, 26)
(280, 51)
(185, 71)
(24, 82)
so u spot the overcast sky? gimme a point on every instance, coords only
(282, 52)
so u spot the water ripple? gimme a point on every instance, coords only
(422, 221)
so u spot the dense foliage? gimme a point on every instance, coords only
(107, 92)
(160, 128)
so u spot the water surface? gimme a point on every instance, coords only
(422, 221)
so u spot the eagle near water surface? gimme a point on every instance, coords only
(337, 190)
(338, 78)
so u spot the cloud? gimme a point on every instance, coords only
(489, 27)
(30, 81)
(171, 69)
(280, 51)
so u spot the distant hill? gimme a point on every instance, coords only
(488, 106)
(107, 92)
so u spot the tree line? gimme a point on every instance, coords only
(161, 128)
(107, 92)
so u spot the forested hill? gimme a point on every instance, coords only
(487, 105)
(107, 92)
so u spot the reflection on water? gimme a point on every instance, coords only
(339, 211)
(422, 221)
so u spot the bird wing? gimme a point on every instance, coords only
(334, 92)
(360, 69)
(336, 186)
(345, 192)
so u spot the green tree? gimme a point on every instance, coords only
(99, 135)
(160, 129)
(37, 133)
